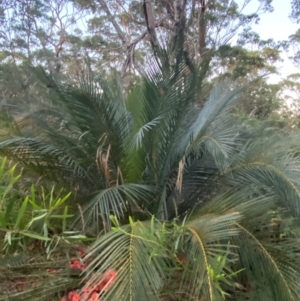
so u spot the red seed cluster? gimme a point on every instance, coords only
(76, 264)
(90, 293)
(74, 296)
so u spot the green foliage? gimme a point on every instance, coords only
(34, 229)
(137, 252)
(197, 185)
(179, 189)
(38, 216)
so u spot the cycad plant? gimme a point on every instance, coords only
(188, 203)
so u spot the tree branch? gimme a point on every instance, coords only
(150, 22)
(168, 6)
(202, 28)
(190, 22)
(113, 22)
(130, 60)
(158, 23)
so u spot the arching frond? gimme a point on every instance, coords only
(43, 157)
(221, 140)
(136, 255)
(205, 241)
(137, 139)
(222, 97)
(272, 267)
(274, 168)
(117, 200)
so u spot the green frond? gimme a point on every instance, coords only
(24, 277)
(42, 157)
(137, 258)
(13, 261)
(249, 201)
(270, 266)
(137, 140)
(46, 289)
(221, 99)
(117, 200)
(269, 174)
(206, 240)
(222, 140)
(209, 290)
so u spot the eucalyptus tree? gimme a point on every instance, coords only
(33, 32)
(75, 38)
(128, 27)
(78, 37)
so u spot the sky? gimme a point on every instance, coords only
(278, 26)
